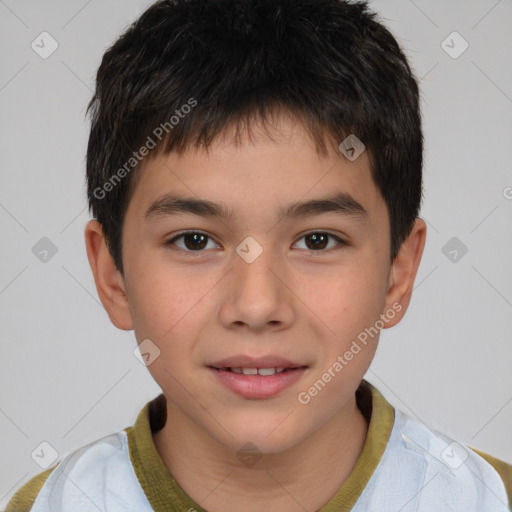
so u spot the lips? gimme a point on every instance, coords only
(257, 378)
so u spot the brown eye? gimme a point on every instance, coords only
(318, 241)
(192, 241)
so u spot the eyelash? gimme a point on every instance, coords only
(172, 241)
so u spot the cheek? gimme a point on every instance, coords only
(166, 313)
(159, 299)
(349, 307)
(171, 305)
(347, 299)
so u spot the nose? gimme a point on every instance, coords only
(256, 296)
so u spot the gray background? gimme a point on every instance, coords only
(68, 377)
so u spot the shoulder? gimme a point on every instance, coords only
(502, 468)
(447, 471)
(24, 497)
(100, 469)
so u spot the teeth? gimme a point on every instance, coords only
(258, 371)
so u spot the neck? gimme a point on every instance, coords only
(214, 478)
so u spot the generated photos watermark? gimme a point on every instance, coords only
(144, 150)
(304, 397)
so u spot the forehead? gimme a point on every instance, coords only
(269, 167)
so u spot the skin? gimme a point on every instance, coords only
(298, 302)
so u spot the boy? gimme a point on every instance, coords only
(254, 172)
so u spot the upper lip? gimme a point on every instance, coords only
(243, 361)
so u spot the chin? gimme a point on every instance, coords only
(267, 438)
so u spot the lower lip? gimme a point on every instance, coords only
(258, 386)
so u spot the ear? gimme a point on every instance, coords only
(403, 272)
(109, 281)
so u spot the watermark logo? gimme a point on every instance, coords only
(146, 352)
(249, 250)
(144, 150)
(249, 455)
(351, 147)
(44, 250)
(44, 45)
(44, 455)
(454, 455)
(454, 249)
(454, 45)
(304, 397)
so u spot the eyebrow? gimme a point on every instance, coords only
(171, 204)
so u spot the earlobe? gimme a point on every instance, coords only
(403, 271)
(109, 281)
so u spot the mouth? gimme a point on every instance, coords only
(257, 378)
(265, 372)
(252, 365)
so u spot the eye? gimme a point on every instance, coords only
(195, 241)
(192, 241)
(319, 241)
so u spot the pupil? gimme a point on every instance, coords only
(195, 241)
(319, 241)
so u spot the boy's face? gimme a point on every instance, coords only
(304, 299)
